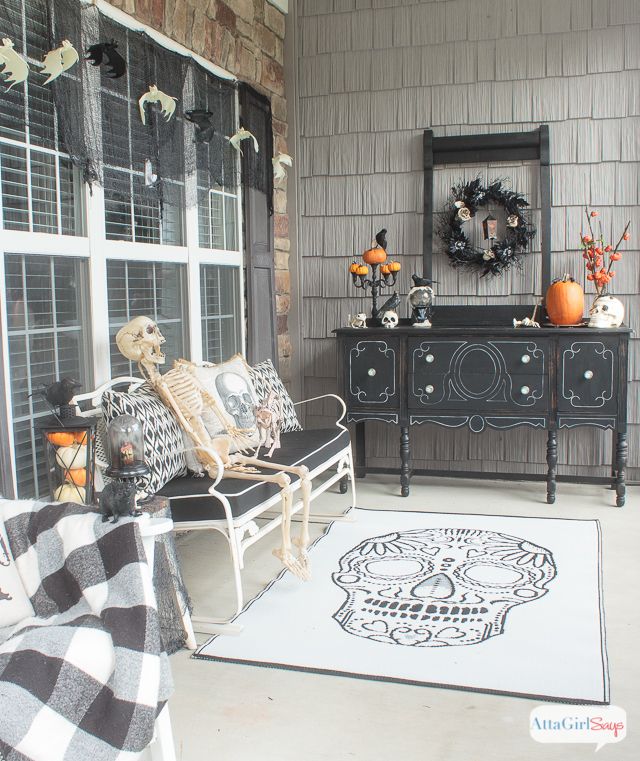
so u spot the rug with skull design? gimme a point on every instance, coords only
(494, 603)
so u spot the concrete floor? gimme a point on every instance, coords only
(233, 712)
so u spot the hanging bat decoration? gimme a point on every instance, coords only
(106, 53)
(59, 60)
(153, 95)
(203, 122)
(279, 162)
(150, 177)
(12, 66)
(240, 135)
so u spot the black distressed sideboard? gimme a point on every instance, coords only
(487, 377)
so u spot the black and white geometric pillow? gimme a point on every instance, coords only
(265, 378)
(163, 444)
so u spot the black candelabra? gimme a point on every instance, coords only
(387, 278)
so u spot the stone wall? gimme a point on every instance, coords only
(246, 38)
(373, 74)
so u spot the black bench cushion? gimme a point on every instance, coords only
(310, 448)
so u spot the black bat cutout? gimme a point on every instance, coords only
(202, 121)
(106, 53)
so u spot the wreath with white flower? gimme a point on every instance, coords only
(463, 204)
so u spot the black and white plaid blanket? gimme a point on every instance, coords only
(86, 678)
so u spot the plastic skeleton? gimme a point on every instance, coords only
(59, 60)
(269, 422)
(153, 95)
(140, 341)
(12, 65)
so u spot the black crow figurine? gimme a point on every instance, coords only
(59, 394)
(203, 122)
(393, 302)
(106, 53)
(381, 238)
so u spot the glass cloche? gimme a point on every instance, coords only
(126, 448)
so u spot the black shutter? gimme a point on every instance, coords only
(257, 208)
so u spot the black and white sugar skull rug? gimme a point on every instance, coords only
(481, 602)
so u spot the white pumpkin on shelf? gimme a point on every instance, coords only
(74, 456)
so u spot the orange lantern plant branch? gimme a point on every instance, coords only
(595, 251)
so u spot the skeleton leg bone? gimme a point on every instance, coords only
(302, 472)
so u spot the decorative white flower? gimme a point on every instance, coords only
(464, 214)
(488, 255)
(512, 220)
(459, 204)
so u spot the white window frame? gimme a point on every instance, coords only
(94, 247)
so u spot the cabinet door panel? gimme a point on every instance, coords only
(372, 373)
(588, 375)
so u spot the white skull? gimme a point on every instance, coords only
(438, 587)
(359, 321)
(140, 341)
(237, 399)
(606, 312)
(390, 319)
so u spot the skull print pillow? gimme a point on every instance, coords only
(230, 386)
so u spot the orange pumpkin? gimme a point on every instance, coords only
(353, 268)
(385, 269)
(394, 266)
(80, 437)
(61, 438)
(362, 269)
(565, 301)
(77, 476)
(375, 255)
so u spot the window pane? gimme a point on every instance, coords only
(219, 293)
(153, 289)
(47, 341)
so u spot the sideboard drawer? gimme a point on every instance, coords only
(373, 373)
(588, 375)
(480, 374)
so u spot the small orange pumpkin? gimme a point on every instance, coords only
(376, 255)
(362, 269)
(80, 437)
(61, 438)
(394, 266)
(77, 476)
(564, 301)
(385, 269)
(353, 268)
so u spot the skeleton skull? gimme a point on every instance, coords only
(390, 319)
(140, 341)
(359, 321)
(237, 399)
(606, 312)
(438, 587)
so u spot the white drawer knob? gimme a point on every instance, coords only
(525, 390)
(429, 358)
(429, 389)
(525, 359)
(371, 371)
(588, 374)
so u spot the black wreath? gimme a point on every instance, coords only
(464, 202)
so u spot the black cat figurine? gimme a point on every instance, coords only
(118, 499)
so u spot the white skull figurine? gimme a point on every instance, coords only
(237, 399)
(359, 321)
(140, 340)
(390, 319)
(438, 587)
(606, 312)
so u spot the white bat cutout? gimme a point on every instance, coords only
(13, 66)
(240, 135)
(167, 103)
(279, 162)
(59, 60)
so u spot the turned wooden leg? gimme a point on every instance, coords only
(552, 463)
(621, 466)
(404, 459)
(361, 451)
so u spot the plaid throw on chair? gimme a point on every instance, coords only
(86, 677)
